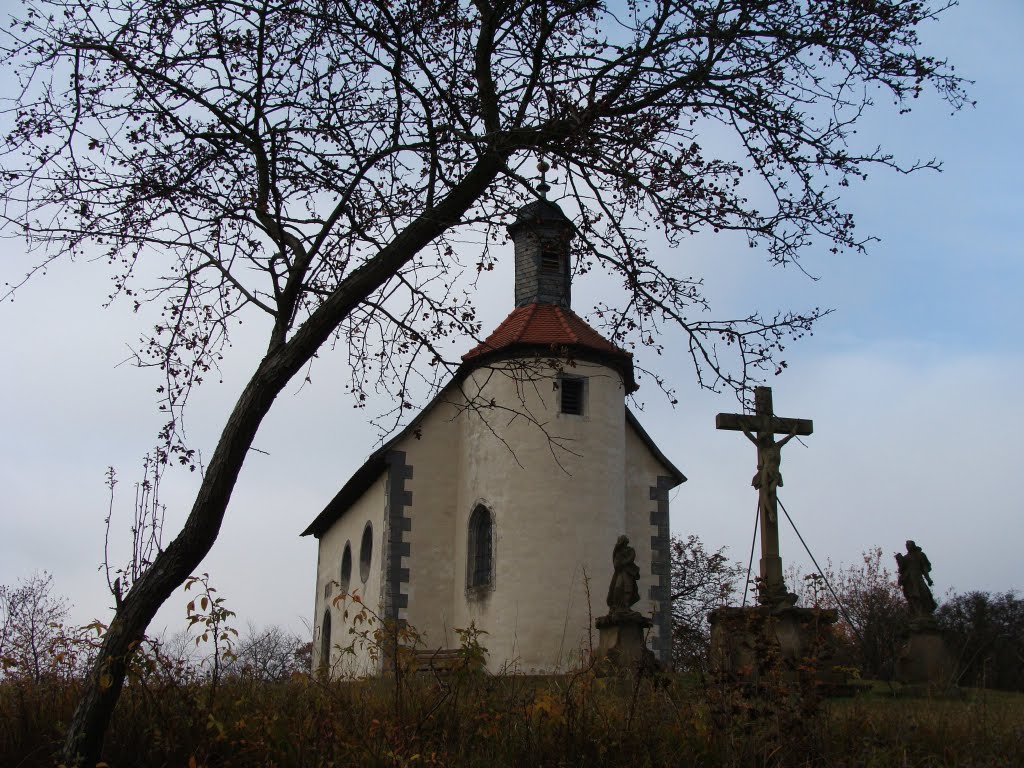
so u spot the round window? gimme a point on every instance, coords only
(346, 566)
(366, 552)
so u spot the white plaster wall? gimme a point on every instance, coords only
(433, 457)
(371, 506)
(642, 471)
(556, 520)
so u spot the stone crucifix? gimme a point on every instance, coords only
(761, 428)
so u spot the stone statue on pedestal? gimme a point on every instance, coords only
(623, 643)
(925, 659)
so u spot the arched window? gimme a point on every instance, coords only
(325, 643)
(366, 552)
(480, 566)
(346, 566)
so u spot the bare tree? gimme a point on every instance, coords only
(31, 624)
(986, 630)
(317, 164)
(146, 527)
(272, 654)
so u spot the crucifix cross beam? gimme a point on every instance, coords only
(763, 419)
(760, 428)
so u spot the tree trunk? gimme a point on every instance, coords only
(170, 568)
(84, 740)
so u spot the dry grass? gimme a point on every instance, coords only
(477, 720)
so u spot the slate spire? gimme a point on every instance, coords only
(541, 234)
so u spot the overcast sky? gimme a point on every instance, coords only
(914, 385)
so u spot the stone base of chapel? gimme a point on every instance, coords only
(751, 643)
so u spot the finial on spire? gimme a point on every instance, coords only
(543, 187)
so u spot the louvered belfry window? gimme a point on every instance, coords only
(571, 396)
(481, 552)
(550, 259)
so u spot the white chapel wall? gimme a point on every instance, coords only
(370, 507)
(554, 524)
(431, 451)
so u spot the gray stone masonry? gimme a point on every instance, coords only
(661, 569)
(396, 599)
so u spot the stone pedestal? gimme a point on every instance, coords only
(751, 641)
(622, 644)
(925, 659)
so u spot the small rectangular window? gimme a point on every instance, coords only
(571, 396)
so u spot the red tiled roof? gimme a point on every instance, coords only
(544, 325)
(550, 326)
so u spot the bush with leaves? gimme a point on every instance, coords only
(213, 619)
(701, 582)
(872, 612)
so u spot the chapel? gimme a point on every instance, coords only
(499, 505)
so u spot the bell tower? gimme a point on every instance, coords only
(541, 234)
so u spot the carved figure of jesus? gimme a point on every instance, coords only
(768, 477)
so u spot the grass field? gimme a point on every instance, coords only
(479, 720)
